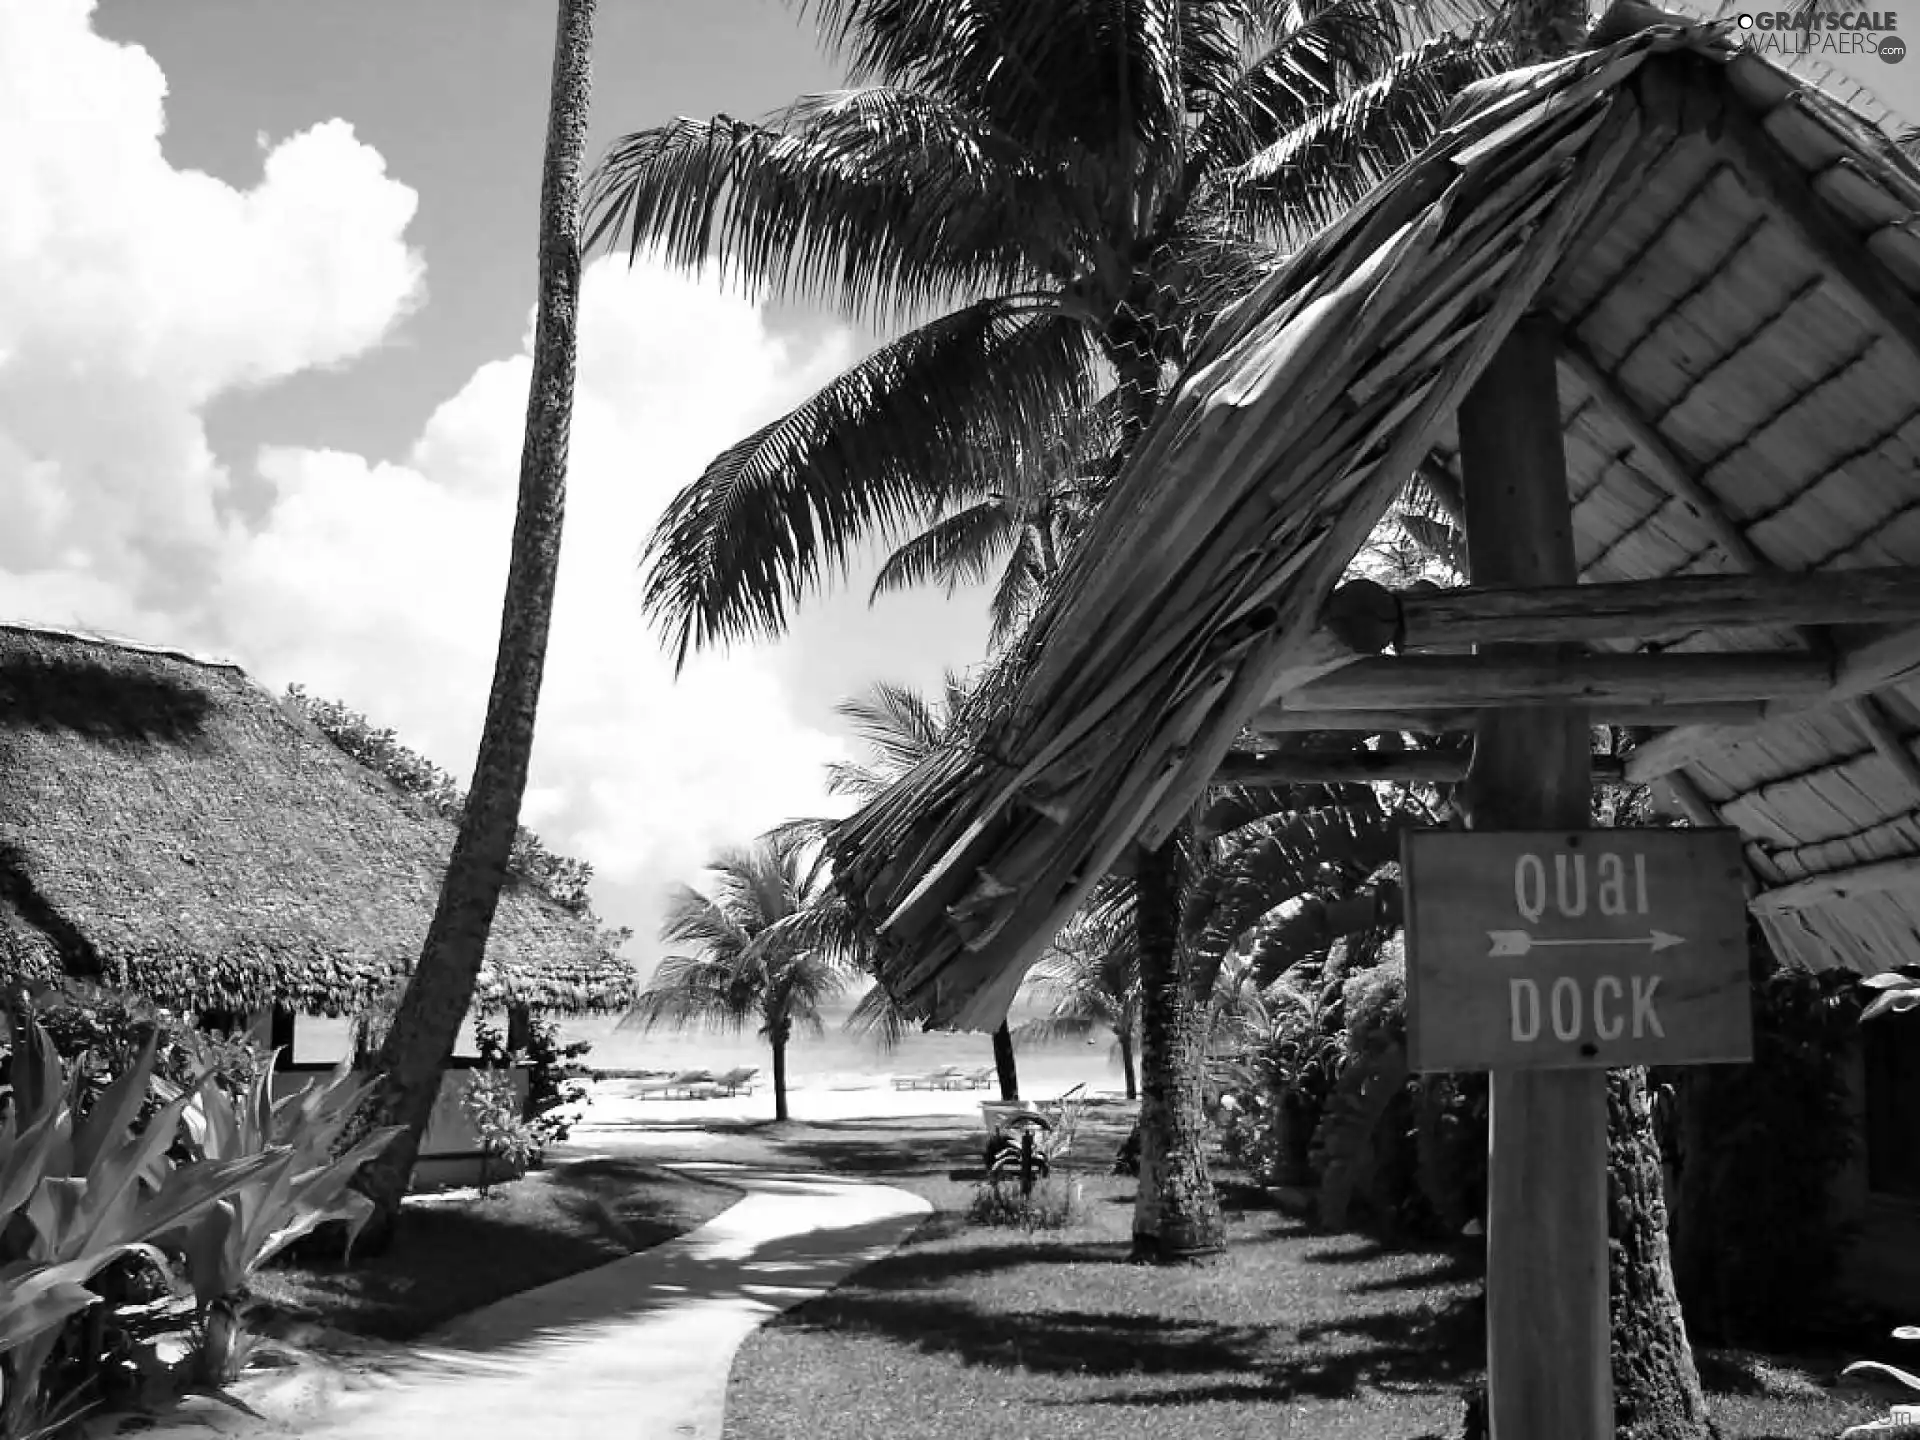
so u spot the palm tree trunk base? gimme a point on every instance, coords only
(1158, 1250)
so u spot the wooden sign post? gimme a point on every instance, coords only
(1548, 1342)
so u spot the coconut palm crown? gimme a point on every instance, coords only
(1053, 201)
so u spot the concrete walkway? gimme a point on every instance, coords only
(639, 1349)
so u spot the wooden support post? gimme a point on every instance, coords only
(1548, 1342)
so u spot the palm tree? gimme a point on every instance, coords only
(1090, 981)
(766, 947)
(901, 727)
(427, 1022)
(1064, 197)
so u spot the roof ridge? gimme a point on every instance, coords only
(122, 642)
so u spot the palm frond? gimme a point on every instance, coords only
(1306, 69)
(1281, 860)
(697, 920)
(1307, 179)
(690, 992)
(925, 422)
(878, 1017)
(1069, 75)
(899, 725)
(960, 549)
(880, 202)
(1018, 592)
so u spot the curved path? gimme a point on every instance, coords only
(639, 1349)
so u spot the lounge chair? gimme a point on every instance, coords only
(939, 1079)
(687, 1085)
(734, 1081)
(981, 1078)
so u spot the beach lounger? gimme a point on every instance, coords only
(687, 1085)
(981, 1078)
(734, 1081)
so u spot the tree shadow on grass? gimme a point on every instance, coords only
(1431, 1349)
(844, 1151)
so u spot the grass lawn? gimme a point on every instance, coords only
(456, 1254)
(971, 1331)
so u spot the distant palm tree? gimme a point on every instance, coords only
(902, 727)
(1090, 981)
(768, 947)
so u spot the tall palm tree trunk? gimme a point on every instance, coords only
(437, 998)
(1003, 1063)
(1126, 1065)
(1657, 1394)
(778, 1037)
(1176, 1214)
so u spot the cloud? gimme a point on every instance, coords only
(382, 584)
(133, 295)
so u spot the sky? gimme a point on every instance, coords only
(266, 287)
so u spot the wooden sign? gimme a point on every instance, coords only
(1536, 950)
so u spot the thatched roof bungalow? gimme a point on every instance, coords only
(170, 826)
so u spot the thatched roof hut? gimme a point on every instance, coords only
(170, 826)
(1733, 264)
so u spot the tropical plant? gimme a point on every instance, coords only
(770, 945)
(1089, 980)
(80, 1188)
(440, 991)
(553, 1091)
(492, 1103)
(307, 1187)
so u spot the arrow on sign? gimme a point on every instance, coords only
(1519, 942)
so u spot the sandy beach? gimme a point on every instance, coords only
(620, 1105)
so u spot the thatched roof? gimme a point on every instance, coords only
(1732, 259)
(170, 825)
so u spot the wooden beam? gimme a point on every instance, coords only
(1548, 1338)
(1366, 767)
(1289, 720)
(1429, 618)
(1874, 724)
(1788, 197)
(1449, 682)
(1860, 669)
(1840, 885)
(1670, 472)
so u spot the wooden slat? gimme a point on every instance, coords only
(1669, 470)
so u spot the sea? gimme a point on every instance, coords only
(835, 1058)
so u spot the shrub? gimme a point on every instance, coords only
(1053, 1205)
(1756, 1243)
(553, 1084)
(493, 1104)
